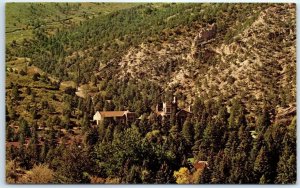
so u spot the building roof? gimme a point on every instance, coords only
(200, 164)
(112, 113)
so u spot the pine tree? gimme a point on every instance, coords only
(262, 165)
(51, 136)
(245, 140)
(91, 137)
(24, 128)
(238, 171)
(33, 145)
(134, 175)
(164, 175)
(222, 168)
(108, 134)
(73, 165)
(85, 123)
(198, 107)
(12, 113)
(44, 151)
(209, 136)
(165, 126)
(206, 176)
(15, 92)
(263, 121)
(9, 133)
(237, 115)
(188, 132)
(286, 167)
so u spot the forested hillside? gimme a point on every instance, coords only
(230, 67)
(24, 19)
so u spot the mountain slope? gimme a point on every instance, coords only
(242, 67)
(22, 19)
(224, 76)
(211, 51)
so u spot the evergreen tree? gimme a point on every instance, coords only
(44, 151)
(85, 123)
(206, 176)
(262, 165)
(9, 133)
(92, 137)
(12, 113)
(286, 167)
(263, 121)
(15, 92)
(188, 132)
(237, 115)
(222, 168)
(198, 107)
(33, 145)
(237, 172)
(164, 175)
(74, 165)
(108, 134)
(134, 175)
(24, 128)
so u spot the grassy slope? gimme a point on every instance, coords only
(115, 36)
(21, 16)
(19, 20)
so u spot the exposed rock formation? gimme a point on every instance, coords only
(204, 35)
(199, 62)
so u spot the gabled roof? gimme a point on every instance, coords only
(112, 113)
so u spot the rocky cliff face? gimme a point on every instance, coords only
(198, 45)
(257, 64)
